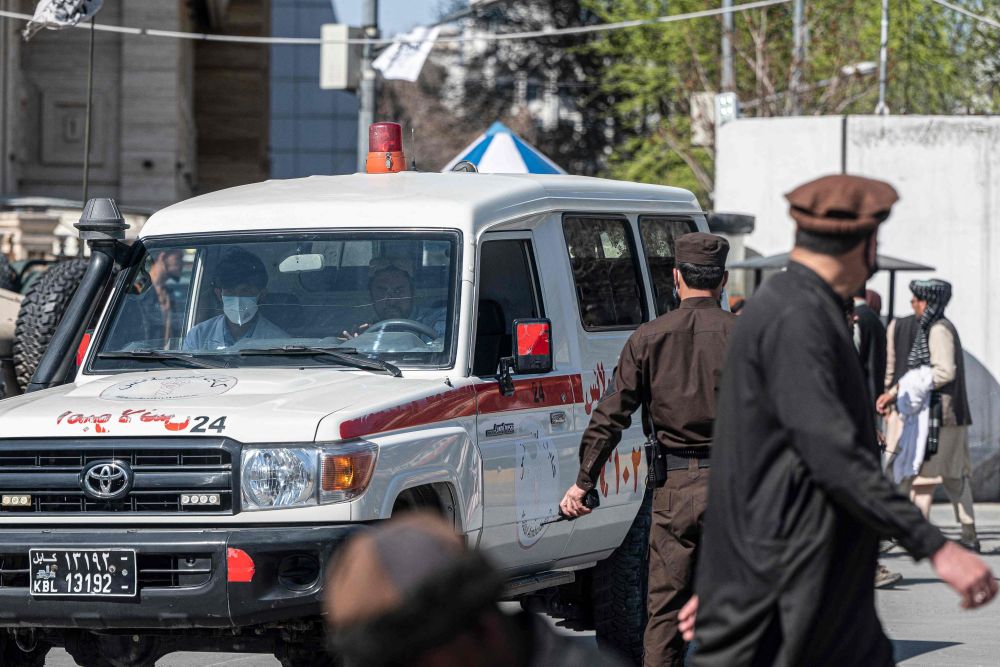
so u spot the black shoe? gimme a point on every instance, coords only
(970, 544)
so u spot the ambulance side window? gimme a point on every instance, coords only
(658, 235)
(508, 290)
(605, 271)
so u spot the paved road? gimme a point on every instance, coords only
(921, 615)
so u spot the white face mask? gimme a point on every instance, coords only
(239, 309)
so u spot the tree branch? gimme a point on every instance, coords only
(673, 142)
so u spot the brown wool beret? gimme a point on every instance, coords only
(841, 204)
(701, 249)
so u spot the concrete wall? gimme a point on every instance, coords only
(157, 147)
(947, 171)
(231, 100)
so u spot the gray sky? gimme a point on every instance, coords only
(394, 15)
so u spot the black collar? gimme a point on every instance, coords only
(699, 302)
(808, 275)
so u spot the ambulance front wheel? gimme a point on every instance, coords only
(619, 590)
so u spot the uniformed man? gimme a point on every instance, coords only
(671, 366)
(798, 501)
(410, 593)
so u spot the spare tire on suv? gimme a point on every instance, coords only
(8, 276)
(41, 311)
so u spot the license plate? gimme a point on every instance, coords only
(83, 572)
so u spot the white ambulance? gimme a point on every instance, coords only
(277, 365)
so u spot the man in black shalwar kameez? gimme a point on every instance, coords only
(797, 501)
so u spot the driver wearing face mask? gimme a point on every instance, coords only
(240, 285)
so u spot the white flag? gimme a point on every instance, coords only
(58, 14)
(405, 57)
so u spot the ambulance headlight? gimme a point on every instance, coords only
(283, 477)
(277, 478)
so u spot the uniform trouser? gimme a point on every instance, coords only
(678, 512)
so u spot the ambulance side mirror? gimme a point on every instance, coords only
(532, 352)
(532, 346)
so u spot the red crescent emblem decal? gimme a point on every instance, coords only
(176, 426)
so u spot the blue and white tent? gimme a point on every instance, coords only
(500, 151)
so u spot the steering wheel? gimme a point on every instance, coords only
(400, 324)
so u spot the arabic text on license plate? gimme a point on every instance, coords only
(82, 572)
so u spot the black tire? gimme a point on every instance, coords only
(12, 656)
(619, 590)
(41, 311)
(8, 276)
(417, 499)
(89, 650)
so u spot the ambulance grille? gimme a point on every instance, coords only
(47, 480)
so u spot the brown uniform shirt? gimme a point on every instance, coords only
(672, 364)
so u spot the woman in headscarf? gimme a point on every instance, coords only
(930, 339)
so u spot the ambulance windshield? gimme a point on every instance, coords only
(202, 301)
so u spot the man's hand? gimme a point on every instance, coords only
(883, 402)
(345, 335)
(966, 572)
(686, 618)
(572, 503)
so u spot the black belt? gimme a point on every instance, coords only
(680, 459)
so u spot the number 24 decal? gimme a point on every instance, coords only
(201, 425)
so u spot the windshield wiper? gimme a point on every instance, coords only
(346, 356)
(162, 355)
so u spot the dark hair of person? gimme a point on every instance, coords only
(239, 267)
(828, 244)
(389, 270)
(701, 277)
(444, 606)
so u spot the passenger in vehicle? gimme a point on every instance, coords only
(392, 293)
(152, 313)
(240, 284)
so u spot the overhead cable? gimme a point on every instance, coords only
(961, 10)
(491, 37)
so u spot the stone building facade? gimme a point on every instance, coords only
(172, 118)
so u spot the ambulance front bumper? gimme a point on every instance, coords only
(186, 578)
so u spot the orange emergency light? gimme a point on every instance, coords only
(385, 149)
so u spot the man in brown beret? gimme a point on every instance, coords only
(409, 593)
(798, 501)
(671, 368)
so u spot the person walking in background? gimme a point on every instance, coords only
(874, 301)
(869, 339)
(934, 342)
(409, 592)
(798, 500)
(670, 367)
(899, 340)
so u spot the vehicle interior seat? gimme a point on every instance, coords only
(285, 310)
(491, 331)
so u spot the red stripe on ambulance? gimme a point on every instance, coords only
(462, 402)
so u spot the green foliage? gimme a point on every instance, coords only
(939, 63)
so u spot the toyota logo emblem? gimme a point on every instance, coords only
(106, 480)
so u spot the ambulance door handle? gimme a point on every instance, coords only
(557, 418)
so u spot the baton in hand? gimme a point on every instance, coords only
(590, 500)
